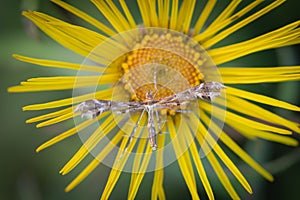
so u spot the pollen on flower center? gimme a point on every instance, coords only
(173, 51)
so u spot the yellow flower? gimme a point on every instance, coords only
(118, 57)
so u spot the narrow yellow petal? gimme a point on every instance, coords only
(39, 88)
(118, 15)
(242, 23)
(76, 41)
(188, 15)
(232, 119)
(143, 5)
(204, 15)
(259, 71)
(226, 19)
(107, 149)
(137, 177)
(161, 194)
(165, 14)
(50, 115)
(250, 132)
(42, 21)
(250, 109)
(284, 36)
(244, 156)
(223, 16)
(259, 79)
(174, 15)
(59, 64)
(64, 82)
(140, 164)
(128, 14)
(157, 186)
(218, 150)
(70, 42)
(257, 41)
(136, 167)
(184, 144)
(85, 35)
(104, 94)
(222, 176)
(261, 99)
(104, 129)
(181, 13)
(69, 133)
(85, 17)
(106, 48)
(239, 151)
(120, 161)
(57, 120)
(184, 18)
(216, 166)
(160, 11)
(198, 162)
(100, 79)
(183, 160)
(153, 15)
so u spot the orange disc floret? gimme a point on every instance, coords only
(164, 50)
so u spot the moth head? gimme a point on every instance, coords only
(149, 95)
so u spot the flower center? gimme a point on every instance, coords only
(175, 53)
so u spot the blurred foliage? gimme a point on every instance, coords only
(26, 175)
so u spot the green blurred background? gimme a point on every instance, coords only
(26, 175)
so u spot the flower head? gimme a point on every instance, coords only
(141, 82)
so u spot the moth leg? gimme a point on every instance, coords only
(151, 131)
(154, 80)
(159, 122)
(134, 130)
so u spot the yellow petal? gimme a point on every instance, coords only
(107, 149)
(50, 115)
(214, 27)
(146, 16)
(113, 15)
(59, 64)
(204, 15)
(197, 160)
(233, 119)
(68, 133)
(120, 161)
(183, 160)
(157, 186)
(85, 17)
(250, 109)
(174, 15)
(204, 135)
(104, 94)
(239, 25)
(260, 98)
(128, 14)
(104, 129)
(217, 167)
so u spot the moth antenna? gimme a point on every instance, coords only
(155, 80)
(131, 88)
(166, 84)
